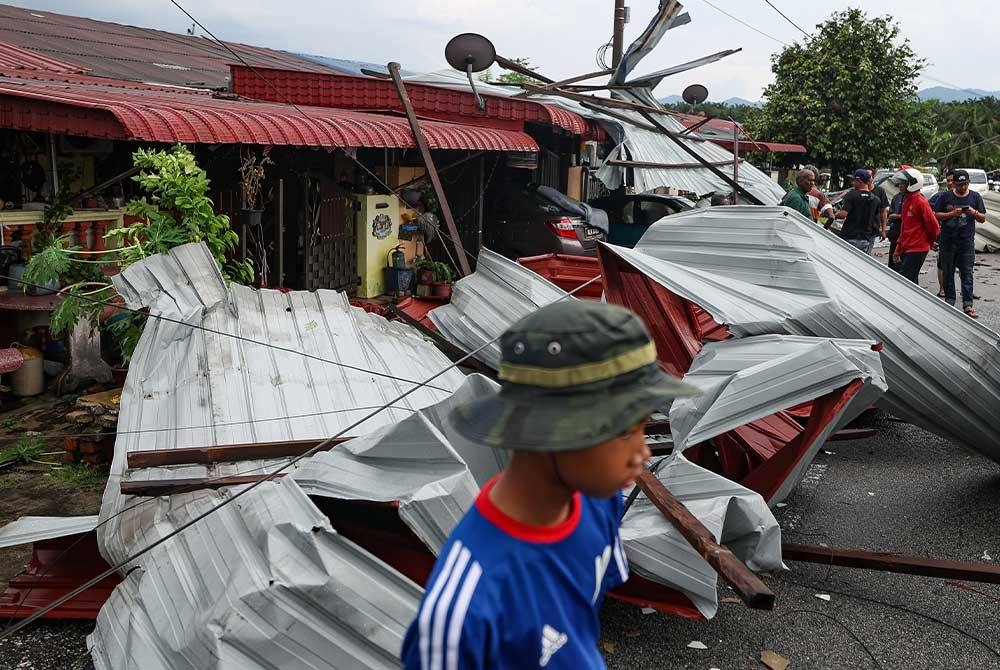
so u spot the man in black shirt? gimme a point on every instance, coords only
(959, 211)
(858, 211)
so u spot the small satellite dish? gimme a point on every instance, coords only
(695, 94)
(468, 53)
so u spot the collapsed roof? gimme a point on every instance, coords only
(268, 581)
(769, 270)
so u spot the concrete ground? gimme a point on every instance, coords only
(904, 491)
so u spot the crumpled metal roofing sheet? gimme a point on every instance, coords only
(642, 145)
(735, 515)
(489, 300)
(265, 582)
(770, 270)
(28, 529)
(157, 114)
(750, 379)
(443, 473)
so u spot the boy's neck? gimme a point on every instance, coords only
(530, 491)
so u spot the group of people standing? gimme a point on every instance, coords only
(912, 224)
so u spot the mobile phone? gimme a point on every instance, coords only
(965, 209)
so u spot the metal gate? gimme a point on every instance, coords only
(331, 244)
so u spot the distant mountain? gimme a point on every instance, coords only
(676, 100)
(945, 94)
(741, 101)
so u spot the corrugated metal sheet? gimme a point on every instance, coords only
(489, 300)
(28, 529)
(746, 380)
(769, 270)
(130, 52)
(444, 473)
(349, 92)
(736, 516)
(160, 115)
(16, 58)
(648, 146)
(266, 582)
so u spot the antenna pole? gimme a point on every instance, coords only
(618, 33)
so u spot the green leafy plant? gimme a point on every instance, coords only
(27, 449)
(47, 230)
(175, 210)
(443, 272)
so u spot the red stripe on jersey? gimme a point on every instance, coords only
(523, 531)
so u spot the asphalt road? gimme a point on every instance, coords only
(905, 491)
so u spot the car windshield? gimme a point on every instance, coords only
(977, 177)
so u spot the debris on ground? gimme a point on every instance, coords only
(773, 660)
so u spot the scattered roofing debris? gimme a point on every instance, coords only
(486, 302)
(769, 270)
(275, 585)
(269, 582)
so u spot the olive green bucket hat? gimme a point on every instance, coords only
(573, 374)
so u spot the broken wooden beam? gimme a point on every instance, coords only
(153, 488)
(464, 269)
(887, 562)
(744, 582)
(228, 453)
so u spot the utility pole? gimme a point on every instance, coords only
(617, 34)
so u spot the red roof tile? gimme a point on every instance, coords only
(347, 92)
(118, 110)
(15, 58)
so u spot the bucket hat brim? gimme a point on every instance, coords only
(567, 421)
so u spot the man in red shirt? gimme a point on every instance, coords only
(919, 225)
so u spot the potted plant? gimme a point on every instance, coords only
(426, 276)
(252, 183)
(443, 278)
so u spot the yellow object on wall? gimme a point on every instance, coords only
(377, 226)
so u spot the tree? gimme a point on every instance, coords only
(517, 77)
(848, 93)
(967, 133)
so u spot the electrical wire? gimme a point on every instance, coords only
(42, 611)
(876, 601)
(740, 21)
(795, 25)
(241, 338)
(842, 625)
(144, 431)
(113, 569)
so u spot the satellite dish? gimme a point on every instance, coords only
(695, 94)
(468, 53)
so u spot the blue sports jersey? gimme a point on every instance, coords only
(504, 594)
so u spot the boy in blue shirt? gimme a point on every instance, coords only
(521, 579)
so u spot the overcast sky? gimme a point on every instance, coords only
(561, 36)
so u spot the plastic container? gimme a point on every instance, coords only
(29, 379)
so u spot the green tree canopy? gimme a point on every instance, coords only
(848, 93)
(517, 77)
(967, 134)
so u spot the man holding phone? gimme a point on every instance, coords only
(958, 212)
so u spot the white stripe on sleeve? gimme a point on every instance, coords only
(620, 560)
(424, 621)
(458, 616)
(440, 618)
